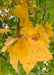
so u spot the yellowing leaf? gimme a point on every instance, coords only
(4, 49)
(38, 52)
(9, 42)
(45, 31)
(40, 27)
(26, 23)
(32, 32)
(49, 29)
(43, 35)
(23, 16)
(14, 62)
(4, 30)
(21, 11)
(28, 51)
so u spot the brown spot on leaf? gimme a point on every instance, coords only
(28, 63)
(34, 39)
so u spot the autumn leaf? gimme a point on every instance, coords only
(48, 29)
(43, 35)
(45, 31)
(4, 30)
(24, 16)
(21, 11)
(39, 32)
(9, 41)
(36, 49)
(31, 31)
(26, 23)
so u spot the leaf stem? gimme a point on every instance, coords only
(17, 30)
(35, 16)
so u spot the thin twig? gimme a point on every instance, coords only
(5, 37)
(3, 57)
(44, 12)
(14, 2)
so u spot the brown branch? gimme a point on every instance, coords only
(14, 2)
(44, 12)
(5, 37)
(1, 24)
(3, 57)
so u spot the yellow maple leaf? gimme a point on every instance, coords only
(45, 31)
(24, 16)
(48, 29)
(4, 30)
(36, 33)
(28, 51)
(40, 27)
(31, 31)
(21, 11)
(26, 23)
(9, 41)
(43, 35)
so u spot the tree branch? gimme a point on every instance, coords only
(3, 57)
(14, 2)
(5, 37)
(44, 12)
